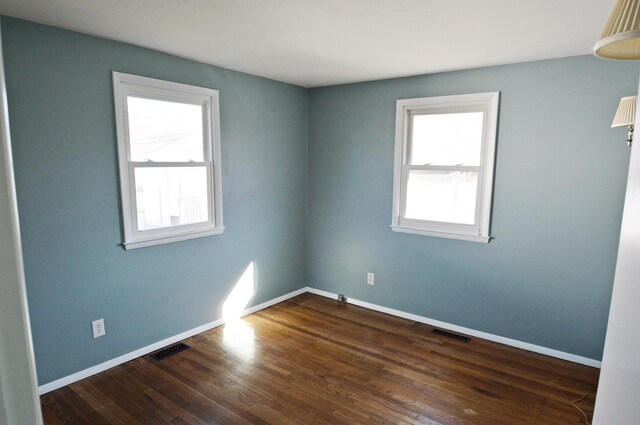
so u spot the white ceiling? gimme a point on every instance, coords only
(323, 42)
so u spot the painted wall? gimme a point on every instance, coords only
(62, 124)
(560, 176)
(545, 279)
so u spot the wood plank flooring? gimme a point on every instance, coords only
(311, 360)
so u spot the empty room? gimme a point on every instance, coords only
(319, 212)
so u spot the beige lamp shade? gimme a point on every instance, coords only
(621, 36)
(626, 114)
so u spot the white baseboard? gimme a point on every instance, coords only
(479, 334)
(70, 379)
(59, 383)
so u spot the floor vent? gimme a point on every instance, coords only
(451, 335)
(169, 351)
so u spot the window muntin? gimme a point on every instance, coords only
(445, 148)
(168, 150)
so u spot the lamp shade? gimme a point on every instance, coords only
(626, 114)
(621, 36)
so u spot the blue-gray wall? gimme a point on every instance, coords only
(62, 124)
(545, 279)
(560, 177)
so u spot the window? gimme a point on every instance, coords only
(443, 175)
(169, 159)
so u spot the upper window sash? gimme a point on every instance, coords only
(438, 110)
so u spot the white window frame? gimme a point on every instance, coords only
(407, 108)
(125, 85)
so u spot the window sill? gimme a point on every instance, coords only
(141, 243)
(458, 236)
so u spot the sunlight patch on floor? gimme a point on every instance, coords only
(239, 337)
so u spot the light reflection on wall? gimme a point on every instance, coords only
(240, 296)
(238, 336)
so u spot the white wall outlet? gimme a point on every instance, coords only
(370, 279)
(98, 328)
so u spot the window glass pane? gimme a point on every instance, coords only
(444, 196)
(447, 139)
(164, 131)
(170, 196)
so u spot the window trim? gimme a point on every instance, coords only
(125, 85)
(485, 102)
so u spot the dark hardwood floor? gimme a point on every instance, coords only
(311, 360)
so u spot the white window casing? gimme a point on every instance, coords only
(208, 210)
(476, 226)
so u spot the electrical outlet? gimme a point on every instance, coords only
(98, 328)
(370, 279)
